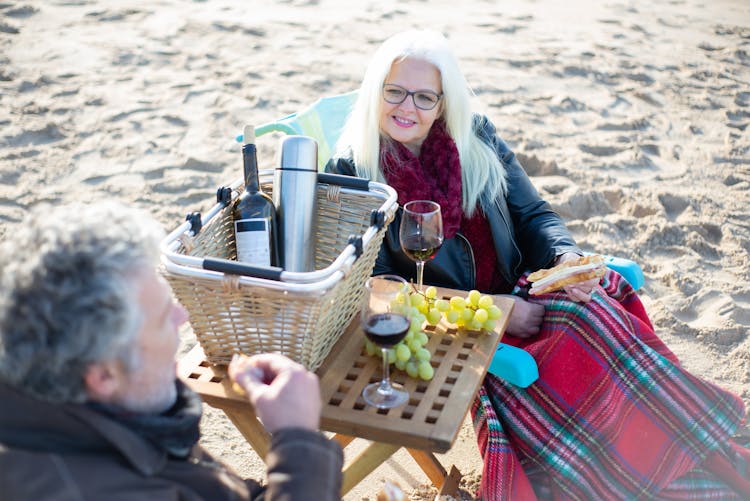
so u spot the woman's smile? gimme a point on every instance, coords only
(403, 122)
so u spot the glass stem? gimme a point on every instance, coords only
(420, 273)
(385, 383)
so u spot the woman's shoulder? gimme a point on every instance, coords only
(482, 123)
(341, 164)
(487, 132)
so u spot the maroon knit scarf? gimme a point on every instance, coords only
(436, 175)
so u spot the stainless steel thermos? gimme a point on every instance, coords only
(294, 191)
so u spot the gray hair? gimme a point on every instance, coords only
(66, 295)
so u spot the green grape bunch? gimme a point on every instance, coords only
(475, 312)
(409, 355)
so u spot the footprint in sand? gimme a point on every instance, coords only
(202, 165)
(509, 29)
(9, 178)
(641, 77)
(583, 205)
(673, 205)
(600, 151)
(21, 12)
(687, 285)
(6, 73)
(738, 119)
(175, 120)
(743, 56)
(700, 245)
(716, 314)
(637, 124)
(534, 166)
(49, 134)
(575, 71)
(650, 98)
(741, 31)
(732, 181)
(650, 149)
(9, 29)
(21, 154)
(245, 30)
(616, 22)
(568, 105)
(114, 16)
(711, 232)
(708, 47)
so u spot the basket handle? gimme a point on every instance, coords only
(236, 268)
(356, 183)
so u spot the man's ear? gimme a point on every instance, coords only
(102, 381)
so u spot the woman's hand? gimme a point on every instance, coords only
(525, 319)
(582, 290)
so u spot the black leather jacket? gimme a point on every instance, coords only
(527, 233)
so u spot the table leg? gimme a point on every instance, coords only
(430, 465)
(342, 439)
(450, 486)
(365, 463)
(252, 430)
(444, 482)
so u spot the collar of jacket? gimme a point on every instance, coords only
(32, 424)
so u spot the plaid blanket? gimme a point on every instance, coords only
(612, 416)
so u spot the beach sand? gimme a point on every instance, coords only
(630, 116)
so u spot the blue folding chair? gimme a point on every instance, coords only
(323, 121)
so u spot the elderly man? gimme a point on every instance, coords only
(91, 406)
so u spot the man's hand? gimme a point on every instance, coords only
(525, 319)
(283, 393)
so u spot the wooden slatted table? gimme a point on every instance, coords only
(429, 422)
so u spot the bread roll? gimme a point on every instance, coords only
(567, 273)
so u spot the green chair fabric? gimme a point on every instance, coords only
(322, 121)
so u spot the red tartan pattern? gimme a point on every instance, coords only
(612, 416)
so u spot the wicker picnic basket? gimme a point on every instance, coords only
(236, 308)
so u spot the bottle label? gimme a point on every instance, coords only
(253, 239)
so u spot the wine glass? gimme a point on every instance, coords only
(385, 323)
(421, 233)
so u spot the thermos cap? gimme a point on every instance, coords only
(299, 152)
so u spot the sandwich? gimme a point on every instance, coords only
(567, 273)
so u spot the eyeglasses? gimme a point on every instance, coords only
(423, 99)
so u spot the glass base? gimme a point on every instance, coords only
(385, 396)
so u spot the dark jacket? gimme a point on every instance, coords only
(527, 233)
(71, 452)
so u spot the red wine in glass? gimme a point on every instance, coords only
(384, 321)
(421, 248)
(386, 329)
(421, 233)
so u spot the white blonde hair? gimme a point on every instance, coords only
(482, 173)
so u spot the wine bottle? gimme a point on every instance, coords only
(254, 214)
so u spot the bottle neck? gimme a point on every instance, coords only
(250, 163)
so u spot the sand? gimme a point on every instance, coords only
(630, 116)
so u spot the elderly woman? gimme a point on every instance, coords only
(613, 414)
